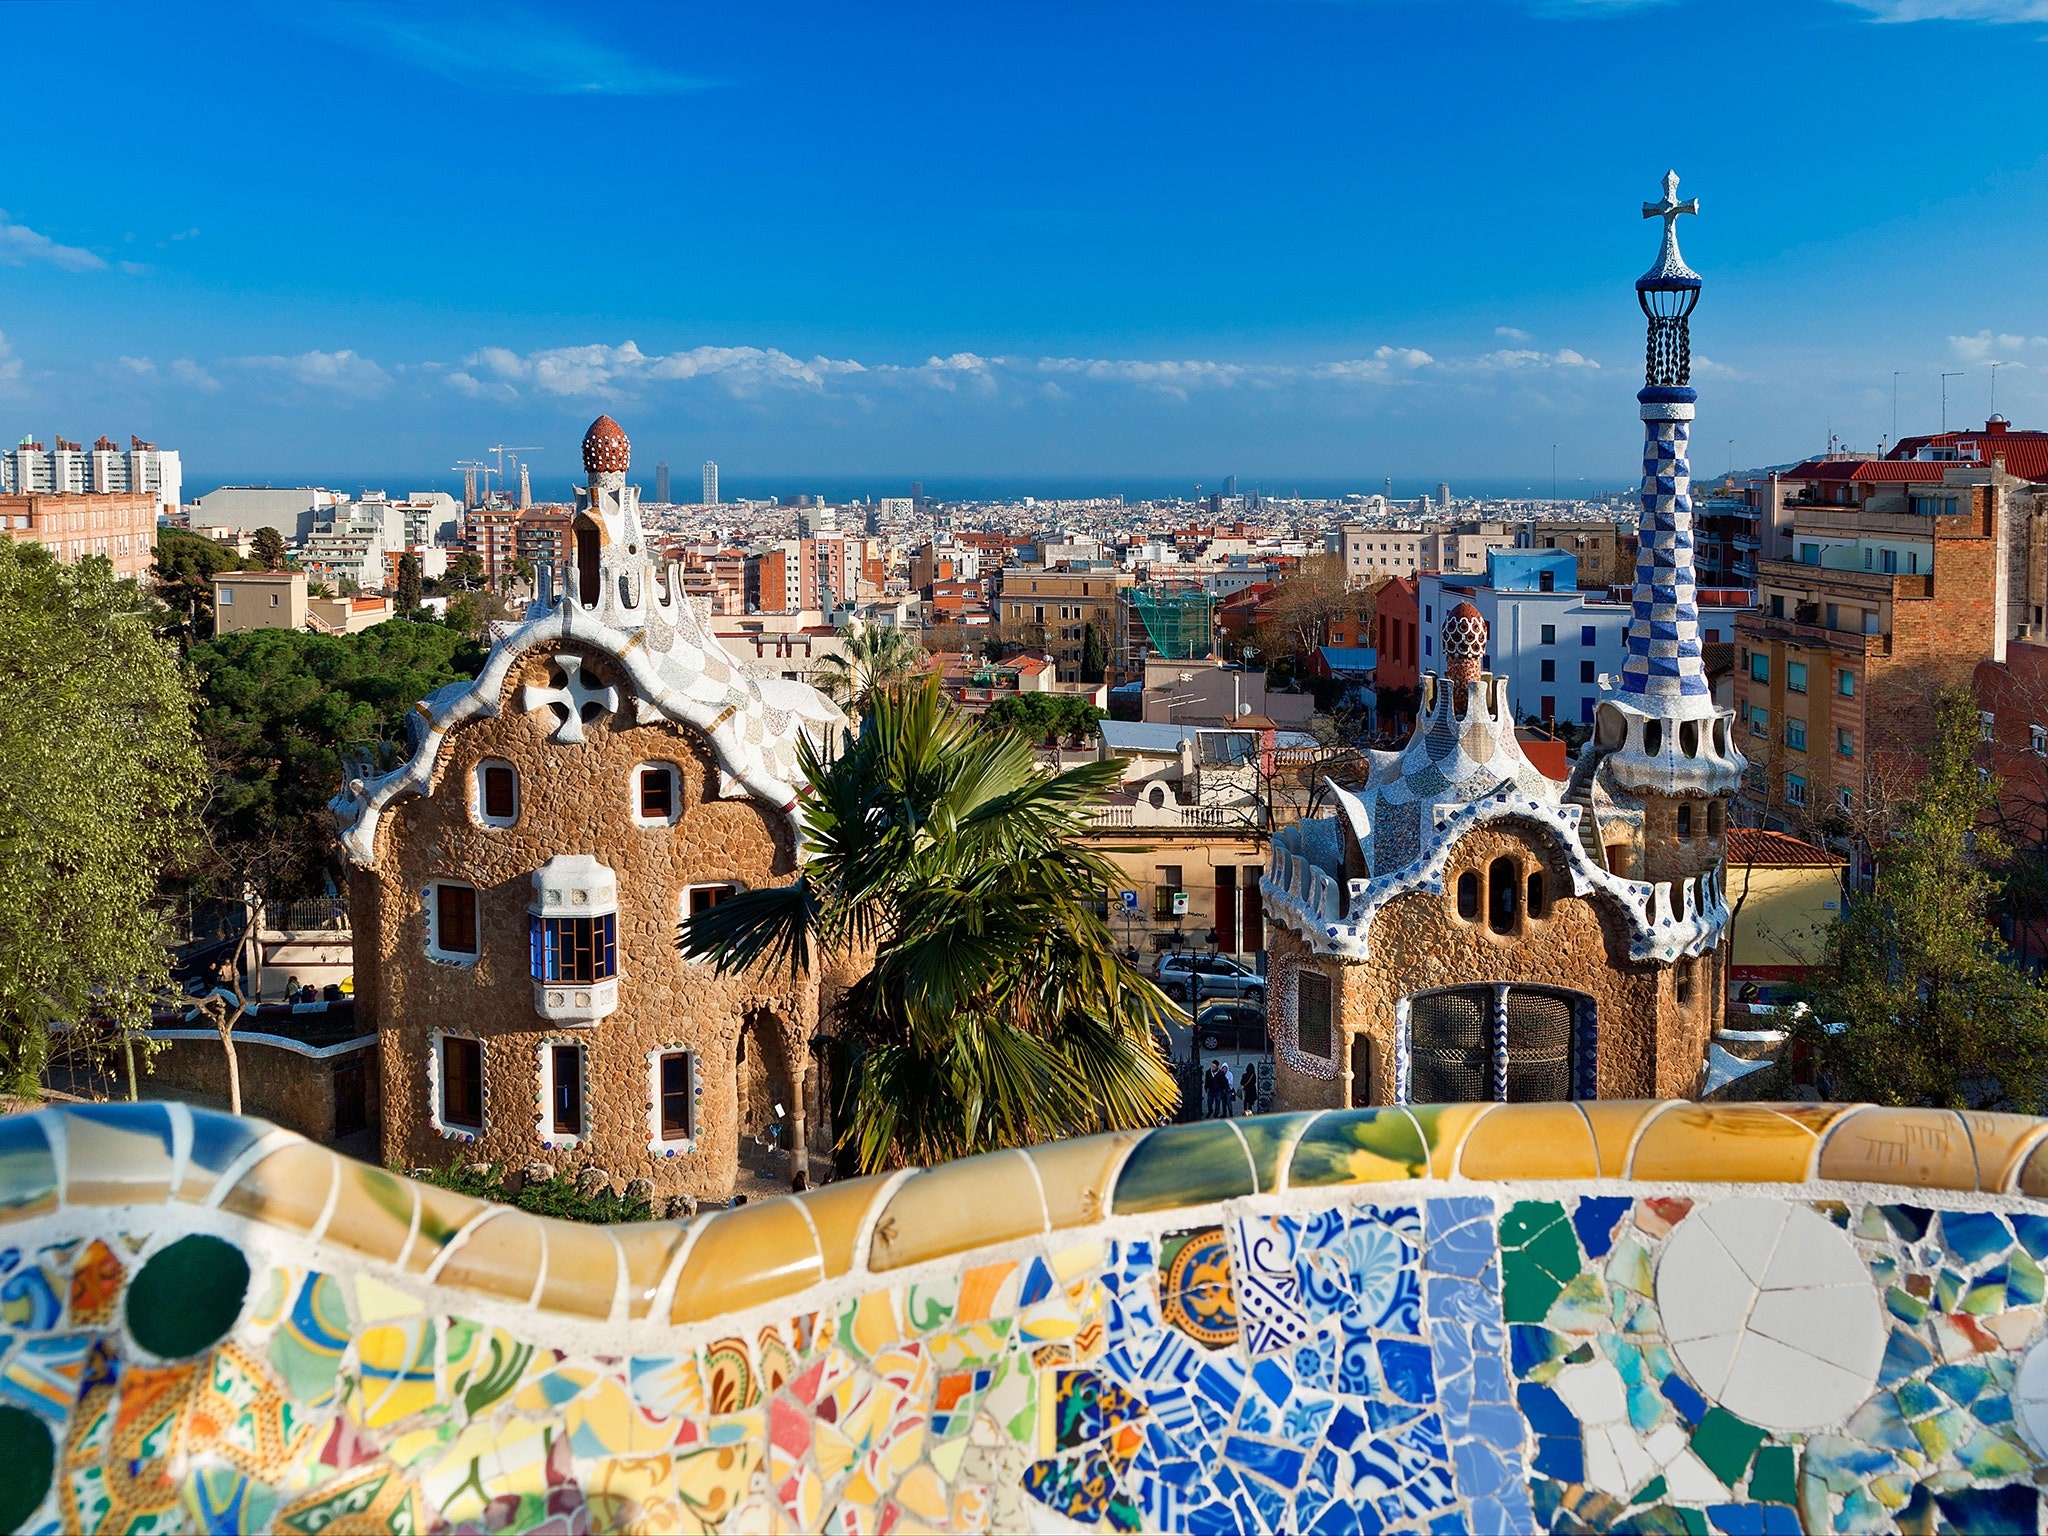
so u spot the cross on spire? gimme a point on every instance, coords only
(1669, 263)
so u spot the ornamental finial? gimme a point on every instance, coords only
(1670, 270)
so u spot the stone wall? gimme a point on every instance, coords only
(575, 798)
(293, 1086)
(1507, 1319)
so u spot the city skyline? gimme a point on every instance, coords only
(940, 270)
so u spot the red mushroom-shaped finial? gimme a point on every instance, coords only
(605, 449)
(1464, 637)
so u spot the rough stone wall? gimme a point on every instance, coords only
(574, 799)
(1648, 1044)
(295, 1091)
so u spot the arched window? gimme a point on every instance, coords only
(1653, 738)
(1537, 906)
(1714, 822)
(1502, 898)
(1682, 984)
(588, 577)
(1685, 821)
(1468, 896)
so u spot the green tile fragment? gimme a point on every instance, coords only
(1184, 1165)
(1270, 1138)
(1917, 1398)
(1726, 1443)
(1774, 1479)
(1941, 1432)
(1905, 1306)
(1349, 1146)
(1652, 1491)
(1525, 1218)
(2025, 1284)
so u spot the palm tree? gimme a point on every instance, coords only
(998, 1009)
(878, 659)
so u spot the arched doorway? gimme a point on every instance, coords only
(1514, 1044)
(769, 1102)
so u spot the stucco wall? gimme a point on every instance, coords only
(278, 1083)
(575, 798)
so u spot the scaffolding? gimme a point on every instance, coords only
(1178, 622)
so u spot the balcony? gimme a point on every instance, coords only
(1748, 542)
(1762, 626)
(1141, 815)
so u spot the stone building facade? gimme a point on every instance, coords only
(518, 883)
(1463, 928)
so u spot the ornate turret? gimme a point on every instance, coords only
(609, 569)
(1659, 737)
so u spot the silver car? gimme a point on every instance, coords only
(1219, 976)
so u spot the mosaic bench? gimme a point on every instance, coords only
(1734, 1319)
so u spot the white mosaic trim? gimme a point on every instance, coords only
(1285, 982)
(656, 1146)
(467, 1135)
(544, 1094)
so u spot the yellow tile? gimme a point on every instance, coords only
(745, 1257)
(974, 1203)
(2032, 1178)
(377, 1302)
(373, 1212)
(837, 1211)
(1929, 1148)
(1815, 1117)
(1615, 1123)
(117, 1154)
(443, 1213)
(1530, 1141)
(648, 1247)
(583, 1270)
(2001, 1142)
(1444, 1129)
(875, 1323)
(1358, 1146)
(500, 1256)
(1077, 1175)
(1724, 1143)
(287, 1189)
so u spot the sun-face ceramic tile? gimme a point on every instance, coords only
(1380, 1347)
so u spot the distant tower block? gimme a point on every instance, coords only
(1443, 495)
(525, 488)
(710, 484)
(661, 482)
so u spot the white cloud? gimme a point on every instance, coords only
(1996, 11)
(20, 245)
(1511, 333)
(10, 365)
(192, 376)
(1992, 347)
(342, 373)
(141, 365)
(604, 370)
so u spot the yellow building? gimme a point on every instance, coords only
(1785, 895)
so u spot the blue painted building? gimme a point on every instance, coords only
(1552, 642)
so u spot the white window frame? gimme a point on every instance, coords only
(683, 905)
(226, 596)
(2037, 740)
(476, 793)
(544, 1119)
(675, 793)
(433, 916)
(436, 1043)
(657, 1145)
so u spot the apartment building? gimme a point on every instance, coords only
(1896, 589)
(1461, 548)
(119, 528)
(105, 469)
(1552, 641)
(1059, 606)
(1372, 554)
(1597, 547)
(789, 575)
(1397, 615)
(499, 536)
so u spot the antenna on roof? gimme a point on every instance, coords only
(1944, 395)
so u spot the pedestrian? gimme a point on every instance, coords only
(1229, 1093)
(1212, 1096)
(1251, 1090)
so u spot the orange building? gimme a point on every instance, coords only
(119, 527)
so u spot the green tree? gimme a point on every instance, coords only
(280, 708)
(1913, 1004)
(878, 658)
(407, 598)
(267, 546)
(1037, 716)
(1094, 657)
(465, 572)
(183, 573)
(998, 1009)
(100, 779)
(466, 615)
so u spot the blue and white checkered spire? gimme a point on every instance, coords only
(1664, 663)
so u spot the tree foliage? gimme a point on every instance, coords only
(407, 597)
(1295, 620)
(280, 708)
(877, 658)
(1037, 716)
(998, 1009)
(1927, 1012)
(267, 547)
(1094, 655)
(100, 779)
(185, 566)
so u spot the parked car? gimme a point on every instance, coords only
(1219, 977)
(1231, 1027)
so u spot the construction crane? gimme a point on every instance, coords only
(501, 449)
(470, 469)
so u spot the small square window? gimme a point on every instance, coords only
(1589, 672)
(1549, 670)
(454, 921)
(655, 797)
(1795, 677)
(462, 1083)
(1795, 735)
(497, 793)
(1588, 635)
(1845, 684)
(227, 596)
(675, 1108)
(1795, 789)
(1550, 634)
(699, 899)
(1759, 667)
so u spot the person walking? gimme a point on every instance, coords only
(1212, 1095)
(1251, 1089)
(1229, 1094)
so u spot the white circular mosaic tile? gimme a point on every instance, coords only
(1771, 1313)
(2030, 1394)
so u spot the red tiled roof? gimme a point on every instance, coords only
(1914, 471)
(2025, 453)
(1753, 845)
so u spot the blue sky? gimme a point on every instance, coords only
(1290, 239)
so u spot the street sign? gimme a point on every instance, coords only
(1180, 903)
(1130, 900)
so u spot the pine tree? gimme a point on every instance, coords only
(1094, 659)
(408, 596)
(268, 548)
(1914, 1004)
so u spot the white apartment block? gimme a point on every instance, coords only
(70, 469)
(1371, 554)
